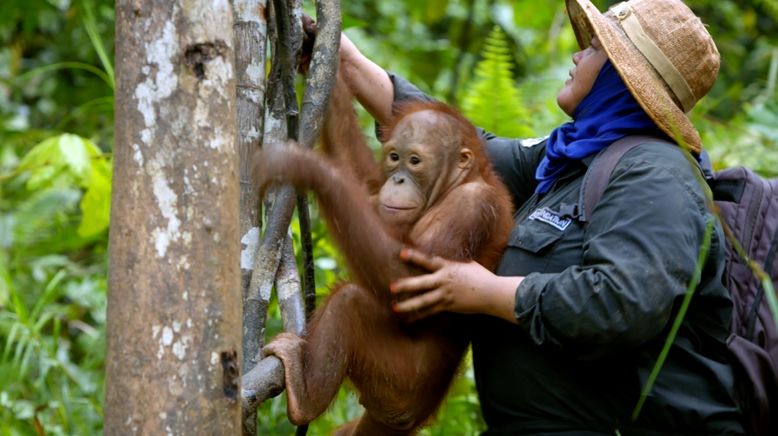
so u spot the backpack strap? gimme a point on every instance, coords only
(600, 169)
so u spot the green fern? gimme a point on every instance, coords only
(493, 100)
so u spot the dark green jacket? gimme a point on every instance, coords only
(597, 302)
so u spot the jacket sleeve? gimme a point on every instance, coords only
(514, 160)
(405, 90)
(639, 255)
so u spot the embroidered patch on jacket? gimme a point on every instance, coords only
(550, 217)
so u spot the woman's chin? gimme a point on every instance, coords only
(563, 104)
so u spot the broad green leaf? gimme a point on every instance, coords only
(44, 177)
(44, 153)
(96, 204)
(75, 154)
(44, 163)
(66, 154)
(47, 165)
(68, 160)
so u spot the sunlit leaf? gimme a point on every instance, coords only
(67, 160)
(44, 163)
(96, 203)
(76, 155)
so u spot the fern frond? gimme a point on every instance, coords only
(493, 100)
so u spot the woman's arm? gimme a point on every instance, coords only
(515, 160)
(463, 287)
(367, 81)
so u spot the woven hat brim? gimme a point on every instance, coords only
(639, 76)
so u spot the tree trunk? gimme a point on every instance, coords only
(174, 315)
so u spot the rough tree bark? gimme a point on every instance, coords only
(250, 36)
(250, 44)
(174, 332)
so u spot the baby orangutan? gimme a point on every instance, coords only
(434, 190)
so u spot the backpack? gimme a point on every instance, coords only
(748, 205)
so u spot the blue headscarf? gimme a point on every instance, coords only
(608, 113)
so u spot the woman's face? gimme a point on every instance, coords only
(588, 64)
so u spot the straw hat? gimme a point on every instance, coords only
(661, 50)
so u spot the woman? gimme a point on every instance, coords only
(575, 317)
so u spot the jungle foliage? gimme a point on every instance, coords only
(56, 137)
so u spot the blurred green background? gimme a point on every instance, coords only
(500, 61)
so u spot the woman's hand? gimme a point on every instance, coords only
(367, 81)
(454, 287)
